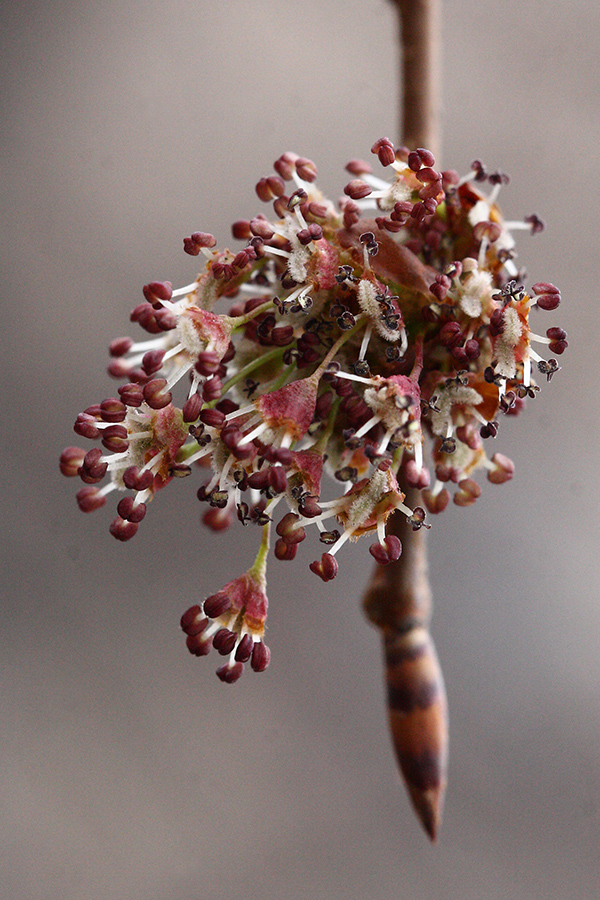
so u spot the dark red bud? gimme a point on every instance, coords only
(224, 641)
(207, 363)
(122, 530)
(216, 605)
(71, 460)
(283, 551)
(155, 395)
(130, 510)
(120, 346)
(157, 291)
(89, 499)
(192, 621)
(261, 657)
(229, 674)
(191, 408)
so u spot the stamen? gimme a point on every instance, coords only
(367, 426)
(365, 341)
(188, 289)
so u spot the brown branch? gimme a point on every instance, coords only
(398, 598)
(419, 22)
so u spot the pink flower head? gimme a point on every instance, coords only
(380, 343)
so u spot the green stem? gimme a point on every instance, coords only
(259, 567)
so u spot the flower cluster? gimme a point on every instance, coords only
(379, 342)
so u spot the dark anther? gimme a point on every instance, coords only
(392, 321)
(498, 178)
(345, 273)
(347, 473)
(392, 354)
(510, 291)
(461, 379)
(361, 367)
(507, 401)
(504, 254)
(196, 431)
(180, 470)
(260, 517)
(302, 304)
(297, 198)
(489, 430)
(529, 390)
(264, 328)
(448, 445)
(430, 404)
(241, 479)
(479, 169)
(417, 519)
(329, 537)
(492, 377)
(548, 368)
(243, 513)
(536, 224)
(219, 499)
(346, 321)
(251, 387)
(289, 356)
(368, 239)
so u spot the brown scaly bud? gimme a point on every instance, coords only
(398, 601)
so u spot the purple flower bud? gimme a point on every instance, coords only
(85, 426)
(152, 361)
(192, 621)
(436, 503)
(244, 649)
(120, 346)
(122, 530)
(207, 363)
(130, 510)
(288, 529)
(89, 499)
(468, 493)
(71, 460)
(216, 605)
(192, 408)
(224, 641)
(114, 438)
(136, 480)
(285, 551)
(229, 674)
(212, 389)
(198, 644)
(158, 291)
(385, 151)
(155, 395)
(131, 395)
(261, 657)
(388, 552)
(357, 189)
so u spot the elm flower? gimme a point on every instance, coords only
(378, 342)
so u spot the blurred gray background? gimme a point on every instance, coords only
(128, 771)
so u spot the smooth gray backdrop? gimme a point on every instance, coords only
(128, 771)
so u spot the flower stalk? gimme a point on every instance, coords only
(378, 343)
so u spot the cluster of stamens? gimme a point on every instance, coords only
(379, 343)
